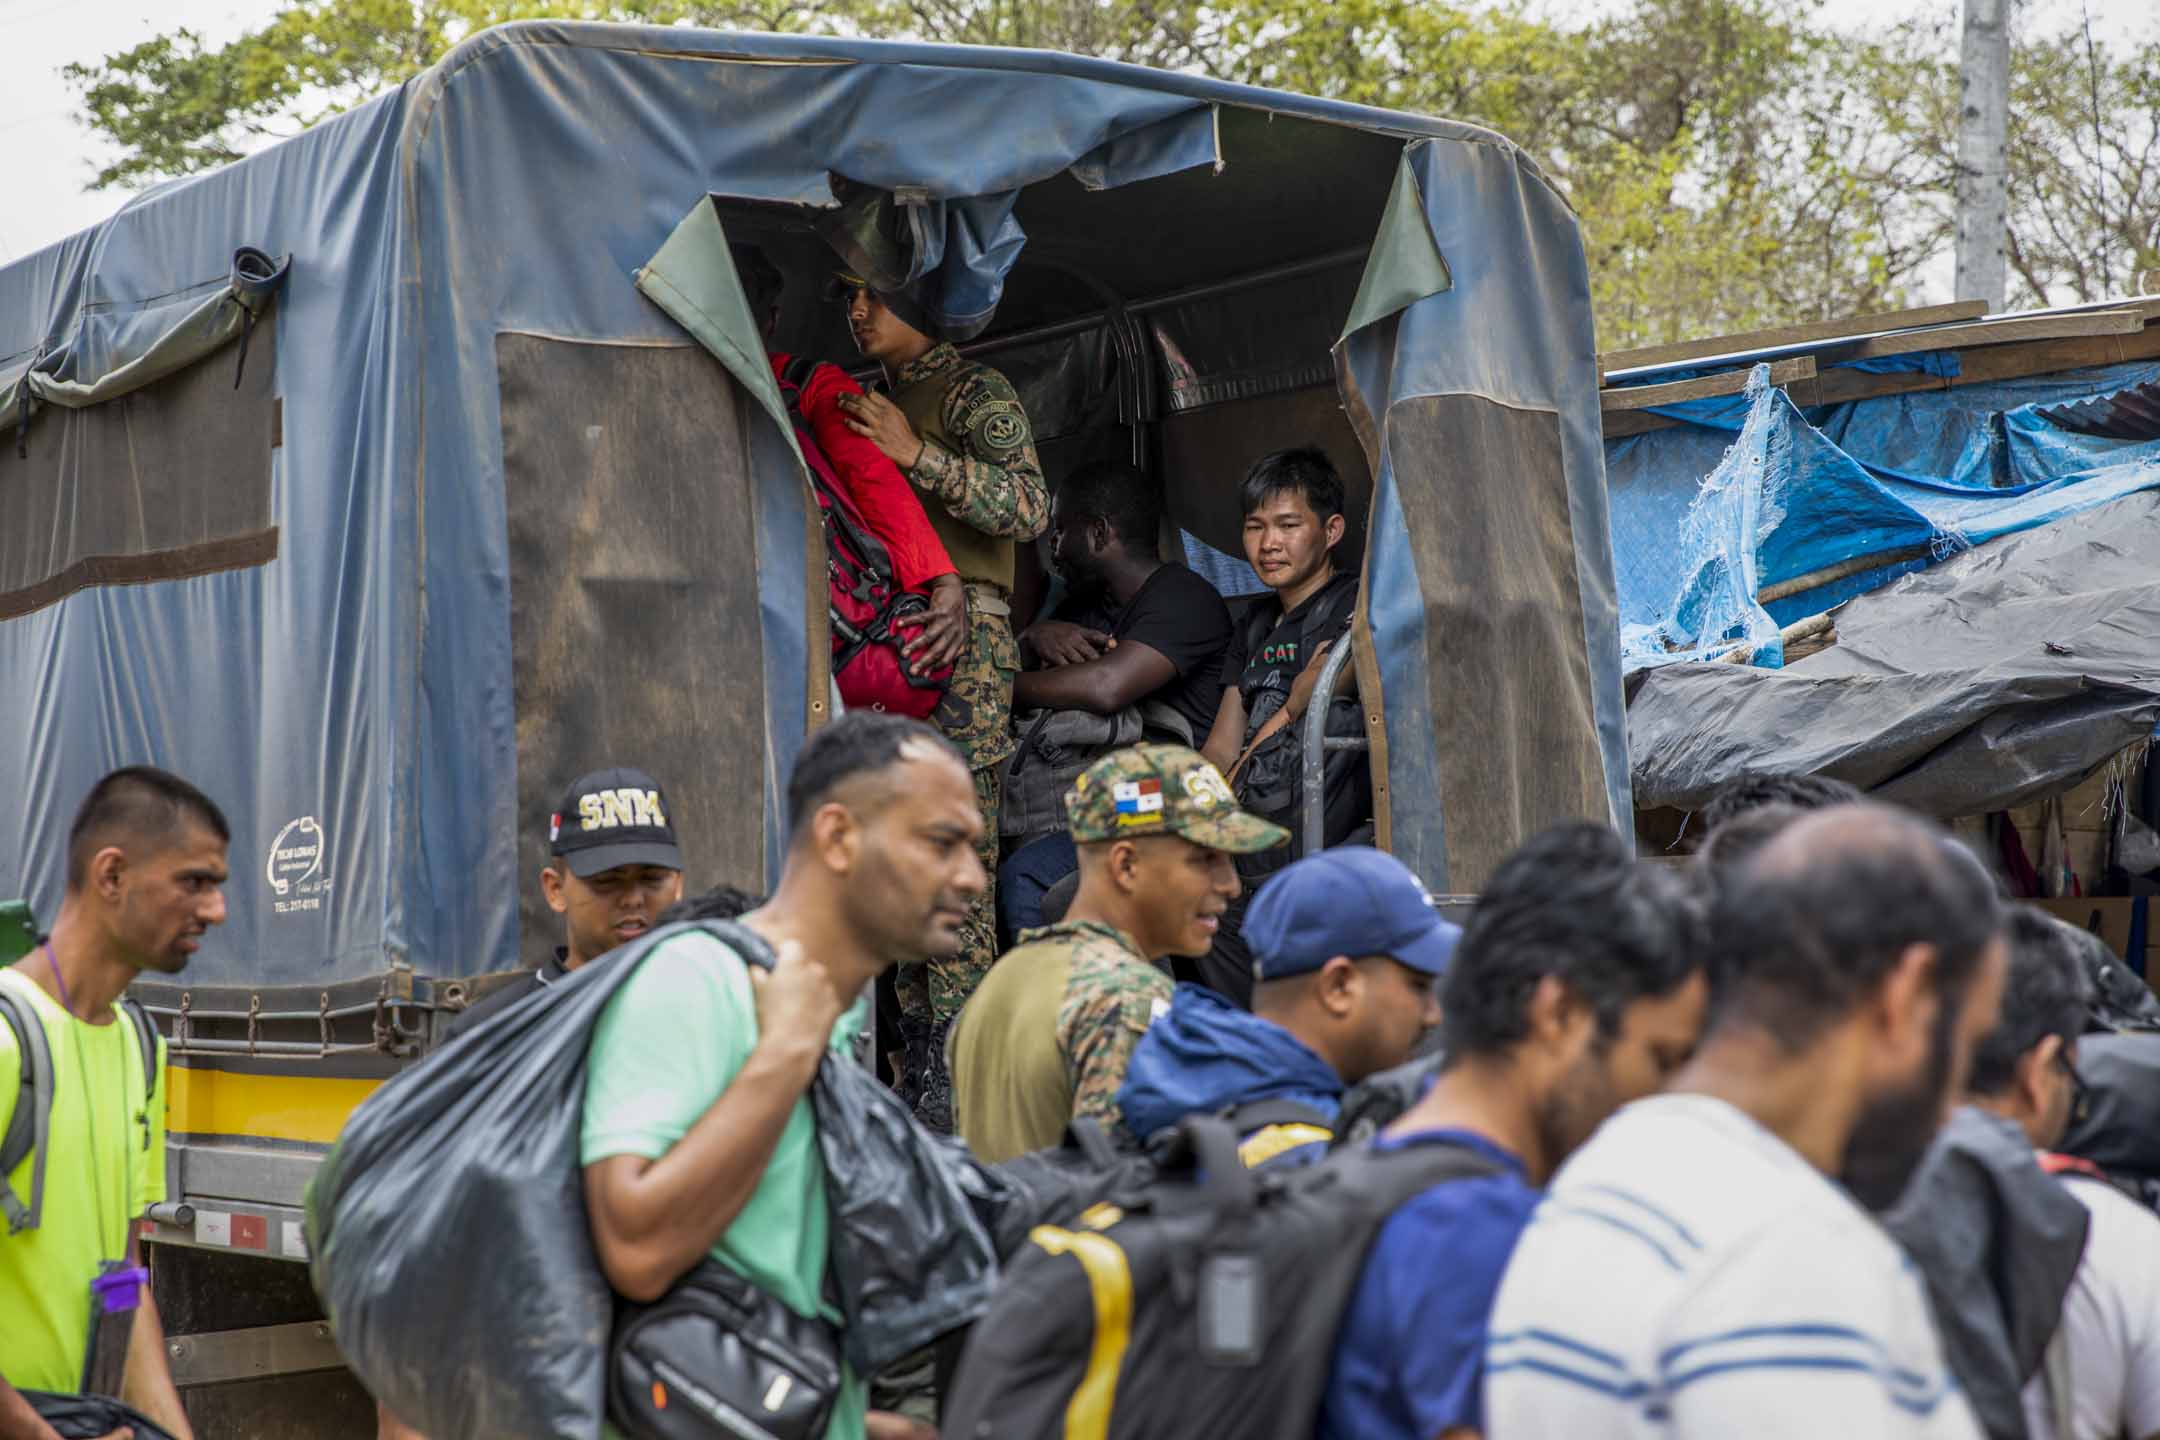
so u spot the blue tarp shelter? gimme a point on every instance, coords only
(1968, 675)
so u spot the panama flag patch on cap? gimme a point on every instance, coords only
(1137, 797)
(554, 828)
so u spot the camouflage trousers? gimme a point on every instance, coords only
(976, 715)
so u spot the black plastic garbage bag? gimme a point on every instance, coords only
(1055, 1186)
(89, 1417)
(910, 1258)
(447, 1233)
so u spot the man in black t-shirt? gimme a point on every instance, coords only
(1164, 627)
(1137, 637)
(1293, 502)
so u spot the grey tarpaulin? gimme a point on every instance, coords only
(1995, 678)
(1489, 580)
(1998, 1241)
(105, 361)
(473, 395)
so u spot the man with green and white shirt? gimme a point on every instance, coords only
(698, 1133)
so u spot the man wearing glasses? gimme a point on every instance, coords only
(2042, 1284)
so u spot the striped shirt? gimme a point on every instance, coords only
(1689, 1274)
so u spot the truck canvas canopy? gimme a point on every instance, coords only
(482, 511)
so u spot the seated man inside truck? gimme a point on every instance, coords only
(1294, 520)
(1133, 652)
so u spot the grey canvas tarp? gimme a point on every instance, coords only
(1993, 679)
(475, 593)
(1500, 663)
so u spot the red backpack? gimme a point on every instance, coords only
(865, 600)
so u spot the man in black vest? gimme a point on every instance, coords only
(1293, 503)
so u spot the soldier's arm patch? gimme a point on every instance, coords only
(997, 428)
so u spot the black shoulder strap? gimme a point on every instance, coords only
(1393, 1175)
(793, 376)
(31, 1117)
(1320, 622)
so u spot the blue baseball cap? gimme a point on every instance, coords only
(1352, 900)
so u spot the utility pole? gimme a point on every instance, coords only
(1983, 153)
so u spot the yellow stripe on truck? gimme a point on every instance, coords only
(265, 1107)
(1087, 1416)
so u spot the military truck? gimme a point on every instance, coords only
(384, 480)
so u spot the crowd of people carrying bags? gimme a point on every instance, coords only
(1659, 1177)
(1697, 1152)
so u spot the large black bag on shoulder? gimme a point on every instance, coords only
(1205, 1303)
(447, 1233)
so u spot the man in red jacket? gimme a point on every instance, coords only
(889, 505)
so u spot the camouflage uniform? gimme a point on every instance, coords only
(1112, 994)
(983, 490)
(1019, 1094)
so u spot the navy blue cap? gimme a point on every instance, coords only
(1352, 900)
(610, 818)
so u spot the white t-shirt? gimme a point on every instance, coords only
(1689, 1274)
(2111, 1319)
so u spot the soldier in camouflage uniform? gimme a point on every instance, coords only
(957, 431)
(1048, 1033)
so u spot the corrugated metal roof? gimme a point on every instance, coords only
(2132, 414)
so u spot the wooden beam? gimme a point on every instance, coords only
(1991, 332)
(1732, 382)
(1980, 366)
(1988, 364)
(1791, 335)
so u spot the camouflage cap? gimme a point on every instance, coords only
(1163, 790)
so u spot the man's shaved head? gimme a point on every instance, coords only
(1816, 919)
(142, 810)
(857, 759)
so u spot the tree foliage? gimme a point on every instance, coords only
(1734, 166)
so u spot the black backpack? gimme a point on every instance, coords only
(1203, 1303)
(30, 1121)
(90, 1417)
(2120, 1131)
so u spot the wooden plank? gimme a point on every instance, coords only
(1732, 382)
(1791, 335)
(1991, 332)
(1991, 363)
(1980, 366)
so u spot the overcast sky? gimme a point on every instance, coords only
(50, 155)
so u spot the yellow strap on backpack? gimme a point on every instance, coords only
(1087, 1415)
(1270, 1141)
